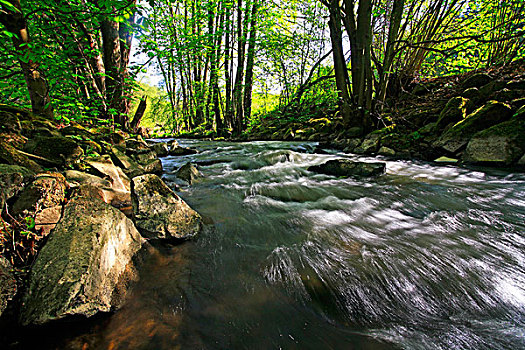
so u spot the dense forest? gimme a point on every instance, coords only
(232, 174)
(226, 66)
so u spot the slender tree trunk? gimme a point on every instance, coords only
(248, 85)
(134, 126)
(112, 60)
(15, 23)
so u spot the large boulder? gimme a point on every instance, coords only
(8, 286)
(13, 178)
(370, 144)
(104, 166)
(477, 80)
(159, 213)
(502, 144)
(160, 148)
(188, 172)
(129, 165)
(454, 111)
(84, 265)
(181, 151)
(346, 168)
(111, 192)
(57, 149)
(457, 137)
(46, 191)
(10, 155)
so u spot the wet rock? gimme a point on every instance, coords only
(10, 155)
(8, 286)
(188, 172)
(181, 151)
(446, 160)
(13, 178)
(454, 111)
(346, 168)
(457, 137)
(58, 149)
(159, 213)
(502, 144)
(477, 80)
(47, 219)
(161, 149)
(46, 191)
(82, 265)
(385, 151)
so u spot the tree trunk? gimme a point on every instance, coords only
(248, 85)
(15, 23)
(134, 126)
(112, 60)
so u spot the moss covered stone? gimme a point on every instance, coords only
(58, 149)
(457, 137)
(454, 111)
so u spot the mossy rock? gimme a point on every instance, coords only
(454, 111)
(520, 113)
(492, 87)
(10, 155)
(477, 80)
(506, 95)
(502, 144)
(516, 85)
(58, 149)
(457, 137)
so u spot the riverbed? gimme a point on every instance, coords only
(425, 256)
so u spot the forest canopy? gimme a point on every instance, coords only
(225, 65)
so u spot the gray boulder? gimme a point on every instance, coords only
(456, 138)
(346, 168)
(160, 148)
(159, 213)
(502, 144)
(8, 286)
(188, 172)
(84, 265)
(181, 151)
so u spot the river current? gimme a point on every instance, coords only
(423, 257)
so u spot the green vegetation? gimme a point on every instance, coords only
(229, 67)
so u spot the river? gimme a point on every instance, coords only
(423, 257)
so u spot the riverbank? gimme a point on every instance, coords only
(475, 118)
(78, 203)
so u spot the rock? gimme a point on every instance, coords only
(104, 165)
(506, 95)
(385, 151)
(370, 144)
(159, 213)
(8, 286)
(346, 168)
(518, 103)
(136, 146)
(173, 144)
(477, 80)
(117, 139)
(77, 130)
(61, 150)
(76, 178)
(12, 179)
(520, 113)
(47, 219)
(492, 87)
(516, 85)
(446, 160)
(9, 122)
(10, 155)
(181, 151)
(130, 166)
(454, 111)
(161, 149)
(457, 137)
(188, 172)
(521, 162)
(46, 191)
(472, 94)
(153, 167)
(81, 267)
(351, 144)
(145, 157)
(502, 144)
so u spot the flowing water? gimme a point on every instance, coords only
(423, 257)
